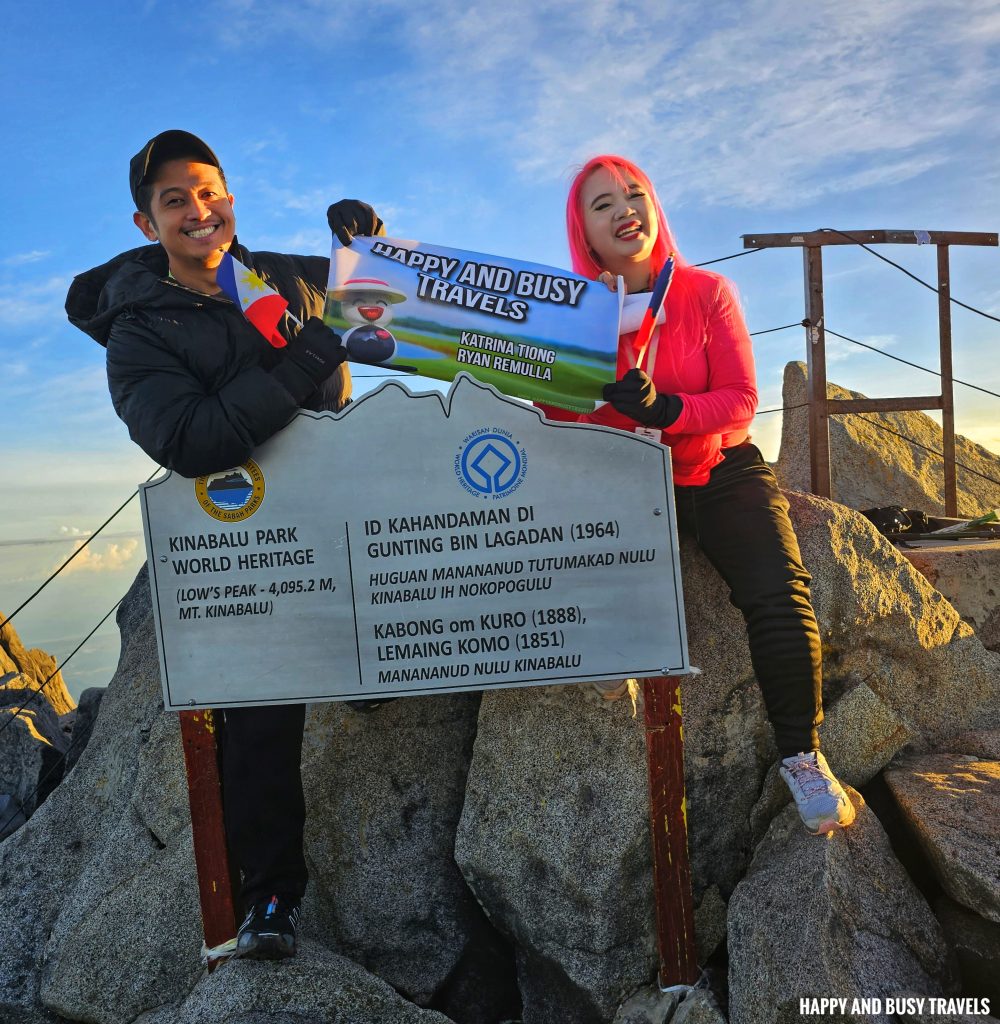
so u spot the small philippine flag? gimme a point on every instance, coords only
(261, 305)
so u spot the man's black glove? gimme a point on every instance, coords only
(310, 357)
(635, 396)
(351, 217)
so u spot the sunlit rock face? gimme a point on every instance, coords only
(37, 668)
(31, 748)
(36, 715)
(951, 803)
(872, 462)
(969, 573)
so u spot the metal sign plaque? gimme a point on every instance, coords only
(416, 544)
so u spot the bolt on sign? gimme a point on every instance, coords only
(416, 544)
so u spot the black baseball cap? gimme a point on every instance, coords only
(168, 145)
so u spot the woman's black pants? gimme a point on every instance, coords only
(740, 520)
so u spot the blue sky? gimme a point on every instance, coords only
(461, 123)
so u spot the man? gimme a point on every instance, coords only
(199, 388)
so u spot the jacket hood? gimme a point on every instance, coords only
(97, 296)
(132, 278)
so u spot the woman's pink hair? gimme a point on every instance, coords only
(625, 173)
(684, 311)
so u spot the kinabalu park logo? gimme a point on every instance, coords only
(490, 463)
(233, 495)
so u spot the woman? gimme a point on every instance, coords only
(694, 390)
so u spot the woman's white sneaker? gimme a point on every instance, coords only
(823, 805)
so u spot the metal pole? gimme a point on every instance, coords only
(947, 386)
(211, 855)
(819, 421)
(668, 824)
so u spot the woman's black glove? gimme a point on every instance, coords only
(635, 396)
(310, 357)
(351, 217)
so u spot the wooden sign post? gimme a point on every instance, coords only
(211, 854)
(668, 823)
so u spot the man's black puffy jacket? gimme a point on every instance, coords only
(187, 373)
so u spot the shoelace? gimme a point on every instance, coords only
(273, 910)
(808, 776)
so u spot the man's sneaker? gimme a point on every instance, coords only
(268, 933)
(823, 805)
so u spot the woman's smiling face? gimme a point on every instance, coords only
(619, 223)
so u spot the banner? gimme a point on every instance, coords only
(532, 331)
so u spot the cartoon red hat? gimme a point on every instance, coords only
(365, 285)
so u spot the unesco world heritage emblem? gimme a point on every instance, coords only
(233, 495)
(490, 463)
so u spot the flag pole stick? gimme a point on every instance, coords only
(656, 301)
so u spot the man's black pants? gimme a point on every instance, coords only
(740, 520)
(262, 794)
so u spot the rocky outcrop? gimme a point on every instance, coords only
(31, 745)
(554, 842)
(552, 768)
(12, 815)
(698, 1008)
(976, 944)
(648, 1006)
(874, 466)
(952, 804)
(139, 887)
(807, 919)
(82, 725)
(384, 794)
(983, 744)
(37, 668)
(529, 804)
(885, 627)
(969, 573)
(97, 809)
(651, 1006)
(317, 987)
(34, 706)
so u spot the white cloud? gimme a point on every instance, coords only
(98, 557)
(302, 242)
(272, 141)
(314, 205)
(111, 471)
(34, 302)
(840, 351)
(751, 102)
(80, 394)
(296, 200)
(19, 259)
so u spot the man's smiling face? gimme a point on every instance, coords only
(191, 215)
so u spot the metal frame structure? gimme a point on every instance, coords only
(821, 408)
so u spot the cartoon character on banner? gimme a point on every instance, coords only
(367, 302)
